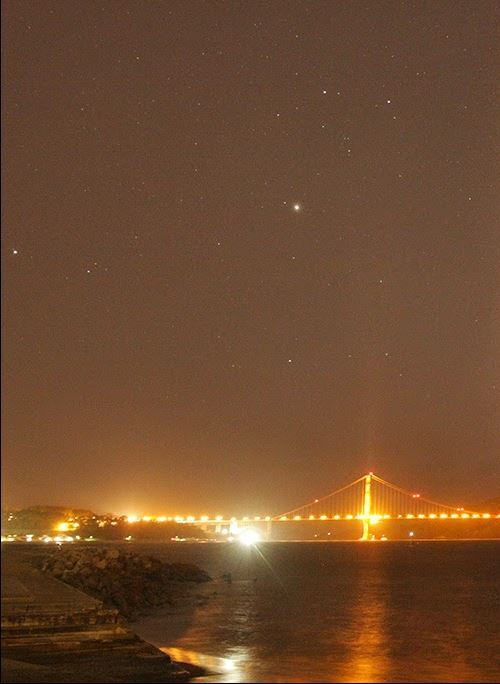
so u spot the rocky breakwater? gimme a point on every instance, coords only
(132, 583)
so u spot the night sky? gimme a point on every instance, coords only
(250, 252)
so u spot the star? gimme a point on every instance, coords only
(15, 251)
(296, 207)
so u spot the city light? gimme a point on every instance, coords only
(65, 526)
(249, 537)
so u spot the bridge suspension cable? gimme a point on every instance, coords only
(323, 505)
(415, 502)
(372, 497)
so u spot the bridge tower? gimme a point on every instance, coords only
(367, 504)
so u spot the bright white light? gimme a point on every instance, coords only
(229, 665)
(249, 537)
(296, 207)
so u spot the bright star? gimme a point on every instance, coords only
(296, 207)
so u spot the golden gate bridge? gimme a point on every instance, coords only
(368, 500)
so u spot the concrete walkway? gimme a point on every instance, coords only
(25, 588)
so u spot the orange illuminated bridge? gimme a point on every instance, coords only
(368, 499)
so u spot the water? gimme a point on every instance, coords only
(338, 612)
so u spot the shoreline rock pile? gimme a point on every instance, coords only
(130, 582)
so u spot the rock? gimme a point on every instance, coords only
(127, 581)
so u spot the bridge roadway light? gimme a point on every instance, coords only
(486, 515)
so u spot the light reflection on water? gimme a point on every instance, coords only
(224, 669)
(343, 613)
